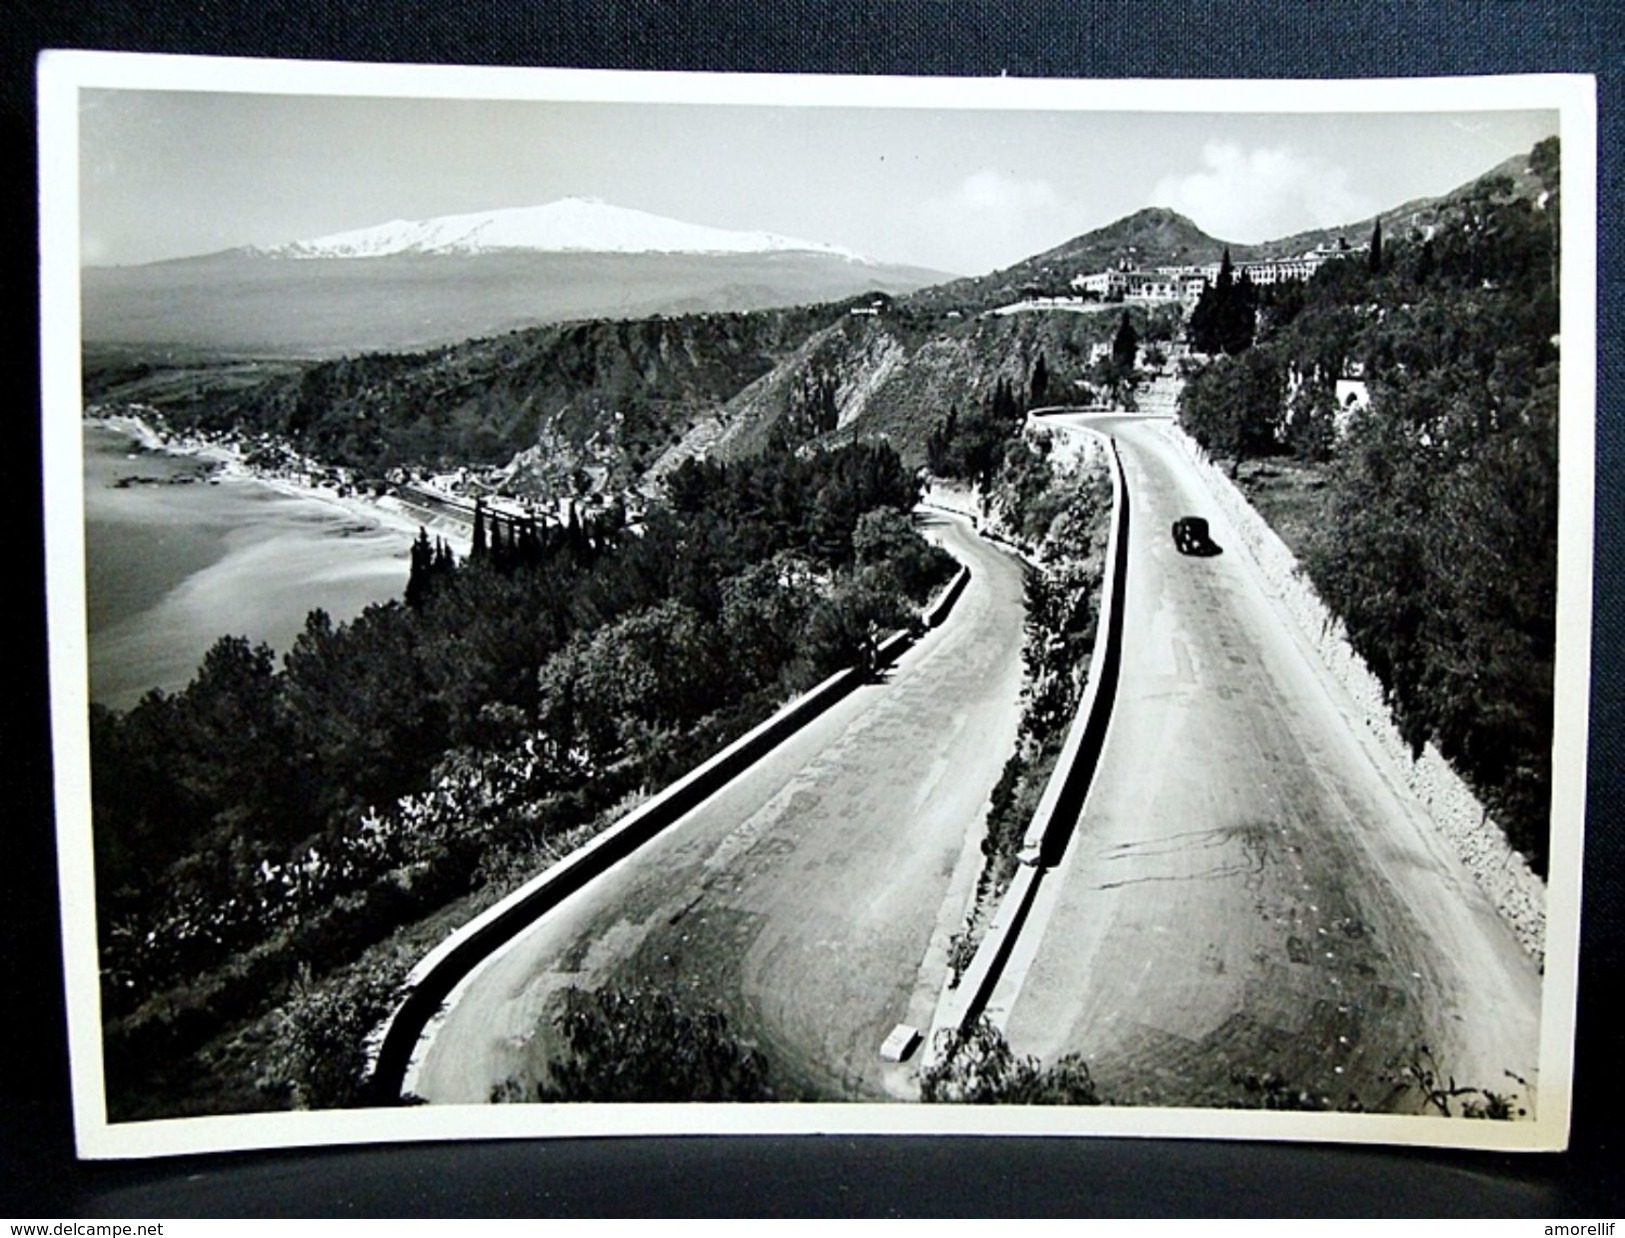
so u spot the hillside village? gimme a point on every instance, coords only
(1159, 285)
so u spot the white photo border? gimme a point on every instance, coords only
(63, 74)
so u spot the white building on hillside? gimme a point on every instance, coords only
(1167, 284)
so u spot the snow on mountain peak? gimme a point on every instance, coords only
(570, 225)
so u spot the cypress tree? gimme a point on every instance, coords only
(575, 536)
(530, 544)
(1238, 310)
(478, 549)
(1374, 258)
(939, 446)
(417, 578)
(1223, 319)
(1004, 404)
(1203, 331)
(829, 415)
(1125, 344)
(1424, 262)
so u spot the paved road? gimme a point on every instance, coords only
(1251, 889)
(811, 900)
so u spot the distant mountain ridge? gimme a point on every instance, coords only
(1150, 237)
(419, 284)
(1157, 236)
(629, 390)
(569, 225)
(1419, 214)
(460, 277)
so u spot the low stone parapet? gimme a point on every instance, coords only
(1064, 795)
(432, 981)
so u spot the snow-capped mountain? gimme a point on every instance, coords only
(438, 281)
(570, 225)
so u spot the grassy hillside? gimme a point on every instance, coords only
(610, 402)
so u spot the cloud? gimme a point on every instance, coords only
(1263, 193)
(991, 219)
(994, 193)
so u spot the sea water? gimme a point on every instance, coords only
(177, 557)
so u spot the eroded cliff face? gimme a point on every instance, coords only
(603, 395)
(614, 405)
(895, 375)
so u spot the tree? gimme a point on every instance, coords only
(1038, 387)
(1238, 316)
(1005, 405)
(1424, 262)
(1125, 344)
(366, 726)
(1235, 406)
(763, 610)
(1115, 371)
(610, 692)
(1201, 332)
(939, 446)
(1311, 423)
(230, 744)
(969, 448)
(422, 568)
(1374, 258)
(1225, 316)
(886, 538)
(483, 637)
(842, 629)
(318, 1046)
(813, 407)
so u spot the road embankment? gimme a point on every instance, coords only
(433, 980)
(1518, 894)
(1061, 805)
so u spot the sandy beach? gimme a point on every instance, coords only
(229, 465)
(185, 543)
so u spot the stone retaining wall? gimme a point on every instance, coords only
(1518, 894)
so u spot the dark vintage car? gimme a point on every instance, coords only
(1191, 537)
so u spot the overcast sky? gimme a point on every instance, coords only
(165, 175)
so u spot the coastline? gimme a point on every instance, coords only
(231, 464)
(246, 549)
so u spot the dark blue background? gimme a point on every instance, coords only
(38, 1175)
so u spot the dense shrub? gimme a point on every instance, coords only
(646, 1046)
(978, 1067)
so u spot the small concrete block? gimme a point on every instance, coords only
(900, 1043)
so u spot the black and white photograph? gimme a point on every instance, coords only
(589, 602)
